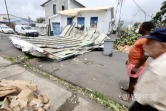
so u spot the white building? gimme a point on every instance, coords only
(53, 6)
(5, 17)
(99, 18)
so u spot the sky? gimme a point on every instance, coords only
(32, 8)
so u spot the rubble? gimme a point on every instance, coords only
(70, 43)
(18, 95)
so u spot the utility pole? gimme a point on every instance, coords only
(7, 11)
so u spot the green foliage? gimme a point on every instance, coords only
(136, 25)
(128, 37)
(159, 18)
(40, 20)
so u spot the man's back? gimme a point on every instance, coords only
(151, 88)
(137, 51)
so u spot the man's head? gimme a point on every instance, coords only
(146, 27)
(156, 44)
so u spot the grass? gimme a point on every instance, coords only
(93, 95)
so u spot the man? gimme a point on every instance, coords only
(150, 92)
(136, 60)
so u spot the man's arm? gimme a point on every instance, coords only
(139, 64)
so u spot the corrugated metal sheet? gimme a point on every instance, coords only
(75, 12)
(73, 43)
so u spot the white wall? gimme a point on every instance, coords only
(103, 23)
(58, 19)
(61, 19)
(104, 19)
(72, 4)
(49, 9)
(107, 25)
(58, 3)
(64, 21)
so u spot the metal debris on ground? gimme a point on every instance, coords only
(76, 61)
(70, 43)
(94, 79)
(88, 62)
(18, 95)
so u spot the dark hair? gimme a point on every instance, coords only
(148, 25)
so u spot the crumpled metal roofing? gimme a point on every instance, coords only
(71, 42)
(75, 12)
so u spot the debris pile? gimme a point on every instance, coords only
(70, 43)
(18, 95)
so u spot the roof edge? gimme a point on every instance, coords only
(80, 3)
(45, 3)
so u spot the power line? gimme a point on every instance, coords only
(146, 14)
(121, 5)
(140, 9)
(134, 16)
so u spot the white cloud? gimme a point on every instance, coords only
(32, 8)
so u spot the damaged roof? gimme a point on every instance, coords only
(70, 43)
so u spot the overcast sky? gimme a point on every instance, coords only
(32, 8)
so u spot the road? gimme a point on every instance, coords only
(101, 73)
(60, 98)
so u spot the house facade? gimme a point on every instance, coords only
(52, 7)
(99, 18)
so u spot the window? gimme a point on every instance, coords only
(27, 28)
(4, 18)
(22, 28)
(93, 22)
(63, 8)
(69, 21)
(54, 9)
(81, 22)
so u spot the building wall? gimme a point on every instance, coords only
(107, 23)
(6, 16)
(103, 20)
(103, 25)
(58, 19)
(73, 4)
(49, 9)
(68, 4)
(58, 3)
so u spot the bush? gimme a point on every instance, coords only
(127, 37)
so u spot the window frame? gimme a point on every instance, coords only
(54, 9)
(92, 20)
(68, 19)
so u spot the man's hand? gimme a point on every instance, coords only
(134, 70)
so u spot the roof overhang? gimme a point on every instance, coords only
(76, 11)
(45, 3)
